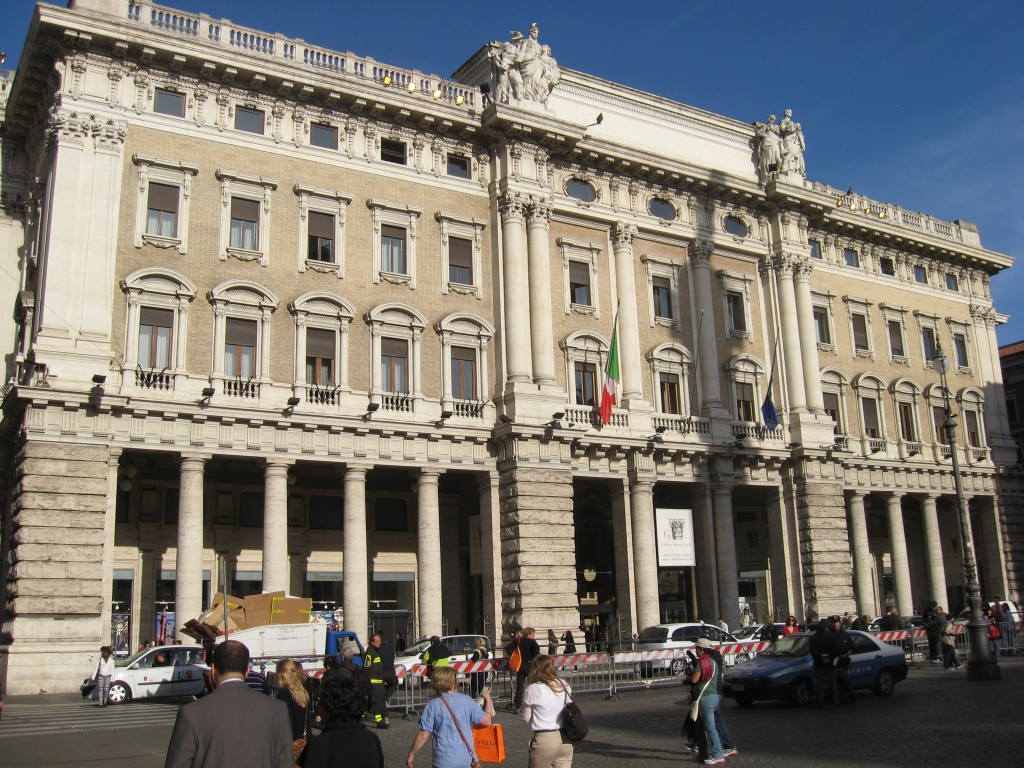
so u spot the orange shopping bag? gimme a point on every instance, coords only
(489, 743)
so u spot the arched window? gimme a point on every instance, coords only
(745, 373)
(157, 320)
(972, 424)
(905, 396)
(241, 345)
(395, 331)
(464, 369)
(834, 388)
(585, 356)
(670, 369)
(322, 322)
(870, 391)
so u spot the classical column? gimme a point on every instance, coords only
(490, 552)
(863, 573)
(275, 526)
(109, 524)
(808, 335)
(898, 554)
(710, 389)
(645, 562)
(355, 589)
(933, 549)
(188, 565)
(725, 553)
(428, 553)
(629, 335)
(516, 328)
(541, 328)
(784, 267)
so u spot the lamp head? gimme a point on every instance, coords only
(293, 401)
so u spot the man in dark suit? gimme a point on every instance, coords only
(233, 726)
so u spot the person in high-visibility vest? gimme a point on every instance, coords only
(436, 655)
(379, 662)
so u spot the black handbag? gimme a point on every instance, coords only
(574, 725)
(88, 686)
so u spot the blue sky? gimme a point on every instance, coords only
(919, 104)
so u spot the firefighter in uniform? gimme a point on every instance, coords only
(379, 662)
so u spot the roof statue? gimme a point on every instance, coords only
(780, 149)
(522, 69)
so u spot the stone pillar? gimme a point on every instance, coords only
(725, 555)
(864, 583)
(516, 327)
(109, 524)
(794, 368)
(490, 553)
(622, 535)
(933, 549)
(645, 552)
(275, 526)
(710, 387)
(541, 328)
(188, 566)
(783, 555)
(428, 554)
(824, 543)
(808, 336)
(355, 587)
(900, 562)
(630, 361)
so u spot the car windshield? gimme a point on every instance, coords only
(793, 645)
(416, 649)
(653, 635)
(744, 632)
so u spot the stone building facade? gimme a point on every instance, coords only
(291, 318)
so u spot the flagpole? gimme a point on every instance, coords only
(696, 363)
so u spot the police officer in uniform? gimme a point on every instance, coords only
(844, 649)
(379, 662)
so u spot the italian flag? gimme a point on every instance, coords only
(611, 375)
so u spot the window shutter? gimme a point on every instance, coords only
(320, 343)
(240, 332)
(321, 225)
(460, 252)
(245, 210)
(158, 318)
(163, 197)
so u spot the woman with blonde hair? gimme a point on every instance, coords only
(292, 690)
(545, 697)
(450, 719)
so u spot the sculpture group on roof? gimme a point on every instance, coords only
(522, 69)
(780, 149)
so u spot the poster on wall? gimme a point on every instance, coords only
(674, 530)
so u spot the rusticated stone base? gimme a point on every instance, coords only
(52, 627)
(538, 551)
(824, 548)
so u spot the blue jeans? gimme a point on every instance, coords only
(708, 706)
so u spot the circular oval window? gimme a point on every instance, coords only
(581, 190)
(663, 209)
(735, 226)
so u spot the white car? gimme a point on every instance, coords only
(678, 637)
(461, 647)
(167, 670)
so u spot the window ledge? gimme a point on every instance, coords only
(734, 334)
(465, 290)
(245, 255)
(159, 241)
(824, 347)
(395, 278)
(964, 369)
(666, 322)
(866, 353)
(323, 266)
(899, 359)
(583, 309)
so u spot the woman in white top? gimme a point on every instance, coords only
(545, 697)
(104, 673)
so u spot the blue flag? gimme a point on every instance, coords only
(771, 418)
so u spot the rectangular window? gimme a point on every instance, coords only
(939, 417)
(245, 224)
(326, 513)
(972, 429)
(736, 311)
(392, 151)
(860, 333)
(661, 289)
(1011, 410)
(952, 283)
(169, 103)
(325, 136)
(320, 345)
(394, 365)
(960, 350)
(250, 511)
(249, 120)
(930, 347)
(321, 237)
(460, 261)
(392, 250)
(887, 266)
(162, 210)
(669, 386)
(851, 257)
(586, 384)
(390, 515)
(745, 408)
(458, 166)
(872, 426)
(463, 373)
(906, 412)
(579, 283)
(831, 401)
(815, 249)
(920, 274)
(240, 348)
(155, 337)
(896, 338)
(821, 326)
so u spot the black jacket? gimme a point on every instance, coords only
(344, 744)
(824, 648)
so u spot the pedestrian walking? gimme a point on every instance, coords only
(379, 662)
(570, 642)
(529, 650)
(344, 742)
(545, 697)
(449, 720)
(105, 669)
(949, 658)
(705, 692)
(552, 643)
(478, 681)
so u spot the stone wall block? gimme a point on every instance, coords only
(85, 486)
(60, 606)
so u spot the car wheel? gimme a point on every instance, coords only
(884, 683)
(119, 693)
(800, 693)
(678, 667)
(745, 701)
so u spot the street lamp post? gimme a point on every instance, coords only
(981, 664)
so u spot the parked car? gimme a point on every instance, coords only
(784, 671)
(909, 622)
(461, 646)
(680, 637)
(1010, 610)
(166, 670)
(756, 632)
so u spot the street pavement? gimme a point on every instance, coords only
(935, 717)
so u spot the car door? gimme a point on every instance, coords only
(188, 674)
(865, 660)
(153, 674)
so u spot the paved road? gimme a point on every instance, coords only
(934, 718)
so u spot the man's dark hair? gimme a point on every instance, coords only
(343, 701)
(435, 639)
(231, 656)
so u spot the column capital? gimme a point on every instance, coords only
(429, 475)
(194, 462)
(512, 206)
(356, 469)
(538, 212)
(623, 234)
(701, 252)
(640, 483)
(857, 493)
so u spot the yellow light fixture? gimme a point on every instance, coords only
(411, 87)
(882, 214)
(839, 202)
(437, 93)
(460, 99)
(853, 206)
(386, 80)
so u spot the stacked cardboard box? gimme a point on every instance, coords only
(248, 612)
